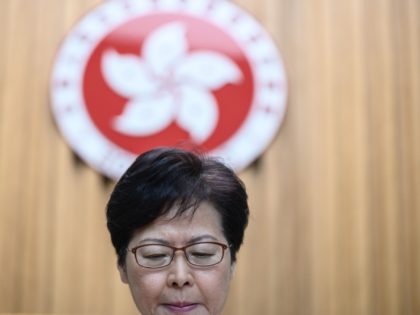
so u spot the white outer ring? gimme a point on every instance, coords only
(249, 141)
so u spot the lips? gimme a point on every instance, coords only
(179, 308)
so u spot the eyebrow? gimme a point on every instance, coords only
(165, 242)
(202, 237)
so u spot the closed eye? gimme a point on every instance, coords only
(201, 254)
(155, 256)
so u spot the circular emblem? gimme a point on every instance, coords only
(133, 75)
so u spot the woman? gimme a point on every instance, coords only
(177, 221)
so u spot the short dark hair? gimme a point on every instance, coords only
(165, 177)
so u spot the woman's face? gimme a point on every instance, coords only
(180, 288)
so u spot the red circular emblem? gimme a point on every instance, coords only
(133, 75)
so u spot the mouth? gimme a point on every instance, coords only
(179, 308)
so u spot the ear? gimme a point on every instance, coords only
(123, 273)
(232, 269)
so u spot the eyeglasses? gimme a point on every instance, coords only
(204, 254)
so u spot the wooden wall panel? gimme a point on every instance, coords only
(335, 199)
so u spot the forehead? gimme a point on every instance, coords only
(204, 222)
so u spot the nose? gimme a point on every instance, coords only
(180, 273)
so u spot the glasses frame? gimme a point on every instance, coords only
(183, 249)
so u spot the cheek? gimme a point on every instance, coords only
(215, 288)
(146, 290)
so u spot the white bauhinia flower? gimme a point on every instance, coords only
(166, 83)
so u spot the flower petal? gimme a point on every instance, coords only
(126, 74)
(146, 116)
(165, 46)
(209, 69)
(198, 112)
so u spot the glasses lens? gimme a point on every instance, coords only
(204, 254)
(154, 256)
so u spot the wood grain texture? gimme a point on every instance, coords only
(335, 199)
